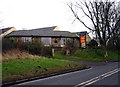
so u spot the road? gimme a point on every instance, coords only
(99, 75)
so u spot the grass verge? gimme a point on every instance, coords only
(16, 54)
(94, 55)
(27, 68)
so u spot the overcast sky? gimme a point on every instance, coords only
(30, 14)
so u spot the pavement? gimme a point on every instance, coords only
(101, 75)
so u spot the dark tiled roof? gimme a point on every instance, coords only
(80, 33)
(48, 31)
(5, 29)
(65, 33)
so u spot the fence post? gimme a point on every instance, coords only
(53, 52)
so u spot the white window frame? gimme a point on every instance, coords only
(26, 39)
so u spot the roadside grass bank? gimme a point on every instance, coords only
(94, 55)
(27, 68)
(16, 54)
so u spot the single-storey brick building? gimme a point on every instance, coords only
(49, 36)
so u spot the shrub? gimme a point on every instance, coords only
(70, 46)
(46, 51)
(8, 44)
(37, 48)
(89, 53)
(33, 47)
(113, 44)
(93, 44)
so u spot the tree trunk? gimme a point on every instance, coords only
(105, 53)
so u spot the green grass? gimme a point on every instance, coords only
(89, 55)
(25, 68)
(0, 71)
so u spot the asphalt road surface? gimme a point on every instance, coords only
(100, 75)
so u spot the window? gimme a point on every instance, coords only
(63, 41)
(26, 39)
(46, 41)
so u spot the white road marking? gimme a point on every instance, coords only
(54, 76)
(86, 83)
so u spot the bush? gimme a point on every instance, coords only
(113, 44)
(46, 51)
(37, 48)
(33, 47)
(8, 44)
(70, 46)
(89, 53)
(93, 44)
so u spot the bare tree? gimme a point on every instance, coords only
(104, 16)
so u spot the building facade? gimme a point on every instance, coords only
(50, 36)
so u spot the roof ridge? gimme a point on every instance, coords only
(38, 28)
(6, 28)
(44, 28)
(61, 31)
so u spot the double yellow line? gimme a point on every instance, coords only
(86, 83)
